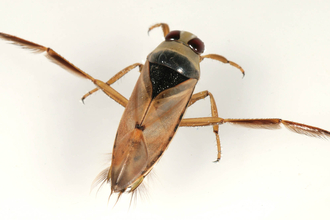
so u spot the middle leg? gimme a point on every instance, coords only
(214, 112)
(115, 78)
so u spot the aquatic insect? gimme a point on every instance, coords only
(158, 102)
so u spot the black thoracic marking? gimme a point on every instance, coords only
(163, 78)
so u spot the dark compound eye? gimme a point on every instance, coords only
(173, 35)
(197, 45)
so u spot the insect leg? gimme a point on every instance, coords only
(264, 123)
(62, 62)
(222, 59)
(50, 54)
(274, 123)
(214, 111)
(115, 78)
(165, 27)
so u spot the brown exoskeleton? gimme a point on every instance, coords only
(158, 102)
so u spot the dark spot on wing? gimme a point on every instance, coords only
(140, 127)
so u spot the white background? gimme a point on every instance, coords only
(53, 146)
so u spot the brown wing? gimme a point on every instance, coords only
(163, 118)
(146, 128)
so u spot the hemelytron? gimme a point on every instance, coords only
(155, 110)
